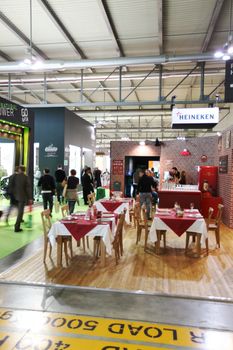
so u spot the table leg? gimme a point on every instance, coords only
(157, 244)
(59, 251)
(198, 245)
(102, 253)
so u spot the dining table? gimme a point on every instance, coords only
(79, 226)
(167, 220)
(115, 206)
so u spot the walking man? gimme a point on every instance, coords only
(60, 176)
(47, 185)
(145, 185)
(22, 194)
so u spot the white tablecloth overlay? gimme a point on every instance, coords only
(119, 210)
(198, 226)
(104, 231)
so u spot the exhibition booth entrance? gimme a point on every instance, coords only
(133, 164)
(16, 139)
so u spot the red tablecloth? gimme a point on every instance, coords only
(79, 228)
(179, 225)
(110, 205)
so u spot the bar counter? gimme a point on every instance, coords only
(167, 198)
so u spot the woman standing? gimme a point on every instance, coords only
(71, 191)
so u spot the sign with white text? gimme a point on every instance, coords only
(196, 118)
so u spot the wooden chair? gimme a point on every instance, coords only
(65, 210)
(196, 237)
(66, 240)
(91, 199)
(117, 242)
(216, 225)
(141, 222)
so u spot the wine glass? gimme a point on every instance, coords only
(191, 206)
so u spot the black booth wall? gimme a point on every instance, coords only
(49, 132)
(58, 128)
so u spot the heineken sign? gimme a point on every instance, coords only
(196, 118)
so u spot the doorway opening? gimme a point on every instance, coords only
(132, 166)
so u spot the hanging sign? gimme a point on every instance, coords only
(117, 167)
(196, 118)
(229, 81)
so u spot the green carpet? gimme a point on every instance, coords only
(11, 241)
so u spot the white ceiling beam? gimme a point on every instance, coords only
(212, 24)
(160, 25)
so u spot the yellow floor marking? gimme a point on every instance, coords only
(57, 323)
(12, 341)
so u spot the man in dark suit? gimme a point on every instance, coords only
(87, 183)
(22, 194)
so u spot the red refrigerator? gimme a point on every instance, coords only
(210, 174)
(210, 199)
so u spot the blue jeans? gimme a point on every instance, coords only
(145, 198)
(71, 205)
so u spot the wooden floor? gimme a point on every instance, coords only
(172, 272)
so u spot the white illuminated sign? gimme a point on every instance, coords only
(186, 116)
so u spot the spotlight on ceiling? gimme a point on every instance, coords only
(157, 142)
(173, 102)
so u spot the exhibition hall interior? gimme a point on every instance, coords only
(116, 174)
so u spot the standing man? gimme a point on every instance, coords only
(13, 202)
(87, 182)
(97, 177)
(47, 184)
(60, 176)
(145, 185)
(22, 194)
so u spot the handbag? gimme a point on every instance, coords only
(64, 191)
(64, 182)
(57, 206)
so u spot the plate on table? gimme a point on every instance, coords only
(163, 213)
(198, 216)
(190, 211)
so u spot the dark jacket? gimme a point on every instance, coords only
(72, 182)
(145, 183)
(47, 183)
(87, 183)
(60, 175)
(21, 188)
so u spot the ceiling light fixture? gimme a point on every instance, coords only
(227, 50)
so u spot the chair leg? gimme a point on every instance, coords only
(121, 245)
(146, 238)
(138, 234)
(50, 249)
(187, 242)
(66, 252)
(217, 237)
(207, 246)
(46, 242)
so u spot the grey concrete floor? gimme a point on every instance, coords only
(205, 313)
(207, 321)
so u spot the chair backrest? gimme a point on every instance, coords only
(137, 211)
(65, 210)
(210, 213)
(46, 221)
(91, 198)
(119, 229)
(144, 215)
(219, 214)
